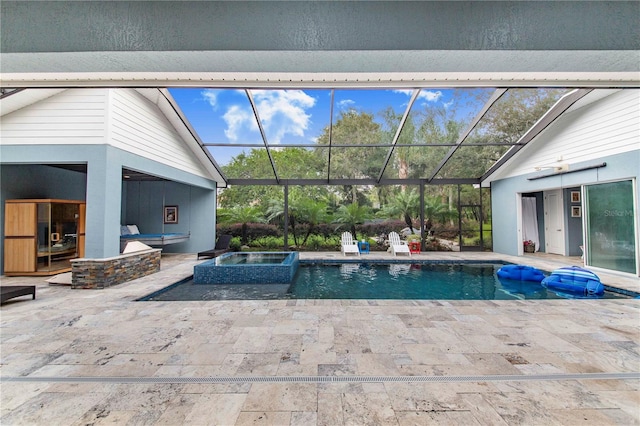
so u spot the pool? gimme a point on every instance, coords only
(358, 280)
(248, 268)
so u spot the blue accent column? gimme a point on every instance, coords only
(104, 189)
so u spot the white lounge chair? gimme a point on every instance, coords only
(398, 246)
(347, 245)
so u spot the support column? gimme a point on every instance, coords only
(422, 246)
(459, 221)
(286, 217)
(104, 198)
(481, 220)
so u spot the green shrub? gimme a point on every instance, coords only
(314, 242)
(380, 228)
(268, 242)
(254, 230)
(317, 242)
(235, 244)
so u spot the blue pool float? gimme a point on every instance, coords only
(576, 280)
(521, 273)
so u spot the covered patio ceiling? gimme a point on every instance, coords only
(382, 136)
(328, 53)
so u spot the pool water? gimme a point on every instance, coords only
(440, 281)
(251, 258)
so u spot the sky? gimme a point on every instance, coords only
(288, 116)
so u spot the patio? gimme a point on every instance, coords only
(76, 357)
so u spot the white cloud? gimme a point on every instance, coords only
(407, 92)
(448, 104)
(211, 97)
(283, 112)
(427, 95)
(346, 103)
(237, 118)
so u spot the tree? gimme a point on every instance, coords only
(276, 211)
(402, 155)
(312, 213)
(290, 162)
(353, 128)
(436, 211)
(518, 109)
(243, 215)
(351, 215)
(406, 205)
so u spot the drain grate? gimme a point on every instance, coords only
(328, 379)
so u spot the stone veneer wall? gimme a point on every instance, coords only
(101, 273)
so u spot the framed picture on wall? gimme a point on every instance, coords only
(576, 211)
(171, 214)
(575, 196)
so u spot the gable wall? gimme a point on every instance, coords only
(606, 127)
(138, 126)
(71, 117)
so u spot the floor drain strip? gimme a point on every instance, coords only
(328, 379)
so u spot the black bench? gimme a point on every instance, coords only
(9, 292)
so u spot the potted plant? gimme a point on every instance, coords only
(529, 246)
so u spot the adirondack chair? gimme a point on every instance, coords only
(347, 245)
(398, 246)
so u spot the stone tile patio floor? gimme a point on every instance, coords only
(153, 362)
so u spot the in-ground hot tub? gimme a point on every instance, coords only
(248, 268)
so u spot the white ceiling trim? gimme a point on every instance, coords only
(247, 69)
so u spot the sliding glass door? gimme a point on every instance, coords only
(610, 226)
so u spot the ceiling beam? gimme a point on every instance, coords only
(262, 133)
(363, 182)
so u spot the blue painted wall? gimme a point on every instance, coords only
(143, 205)
(504, 198)
(573, 228)
(108, 201)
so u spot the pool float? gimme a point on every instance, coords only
(575, 280)
(520, 273)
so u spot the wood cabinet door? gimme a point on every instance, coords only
(20, 220)
(19, 255)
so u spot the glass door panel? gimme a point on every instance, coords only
(610, 224)
(57, 235)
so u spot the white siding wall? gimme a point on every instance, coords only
(605, 127)
(71, 117)
(139, 127)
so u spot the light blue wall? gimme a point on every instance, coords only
(102, 189)
(504, 195)
(145, 200)
(573, 225)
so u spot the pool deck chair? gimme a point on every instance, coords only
(222, 246)
(398, 246)
(347, 245)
